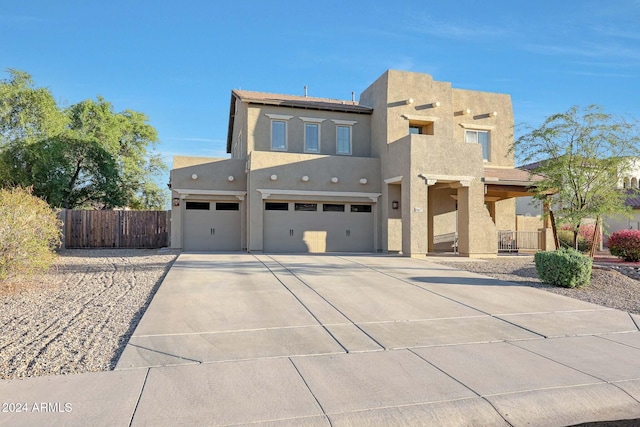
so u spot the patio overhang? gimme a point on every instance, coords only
(507, 183)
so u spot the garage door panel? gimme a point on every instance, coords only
(319, 231)
(212, 230)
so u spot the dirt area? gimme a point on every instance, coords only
(80, 315)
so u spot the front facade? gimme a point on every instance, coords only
(414, 167)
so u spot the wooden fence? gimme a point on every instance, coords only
(115, 229)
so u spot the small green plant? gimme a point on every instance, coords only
(625, 244)
(29, 233)
(565, 267)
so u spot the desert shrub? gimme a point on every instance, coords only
(625, 244)
(564, 267)
(585, 236)
(565, 237)
(29, 233)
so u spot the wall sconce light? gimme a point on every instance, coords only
(176, 201)
(435, 104)
(230, 178)
(305, 178)
(466, 111)
(408, 101)
(334, 179)
(274, 177)
(395, 204)
(493, 114)
(363, 181)
(194, 176)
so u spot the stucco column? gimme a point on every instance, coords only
(477, 233)
(463, 221)
(414, 217)
(257, 222)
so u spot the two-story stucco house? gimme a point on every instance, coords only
(412, 166)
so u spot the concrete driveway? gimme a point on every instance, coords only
(356, 340)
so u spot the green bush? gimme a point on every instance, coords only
(29, 233)
(564, 267)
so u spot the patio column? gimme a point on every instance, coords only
(414, 217)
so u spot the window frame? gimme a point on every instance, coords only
(279, 118)
(350, 144)
(346, 124)
(306, 146)
(284, 147)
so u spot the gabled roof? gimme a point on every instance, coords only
(293, 101)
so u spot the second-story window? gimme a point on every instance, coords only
(479, 137)
(312, 137)
(278, 135)
(343, 139)
(278, 131)
(344, 135)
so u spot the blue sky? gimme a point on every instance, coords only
(178, 61)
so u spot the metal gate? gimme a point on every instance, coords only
(515, 241)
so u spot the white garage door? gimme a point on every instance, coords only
(211, 226)
(318, 227)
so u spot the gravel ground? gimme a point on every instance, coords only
(613, 288)
(80, 315)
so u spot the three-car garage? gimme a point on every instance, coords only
(288, 226)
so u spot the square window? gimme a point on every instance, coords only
(278, 135)
(420, 127)
(343, 139)
(312, 137)
(479, 137)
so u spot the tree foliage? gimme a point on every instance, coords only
(83, 156)
(582, 155)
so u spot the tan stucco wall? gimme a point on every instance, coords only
(528, 223)
(506, 214)
(482, 104)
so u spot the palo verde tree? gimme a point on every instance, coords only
(582, 155)
(84, 156)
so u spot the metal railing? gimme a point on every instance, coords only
(515, 241)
